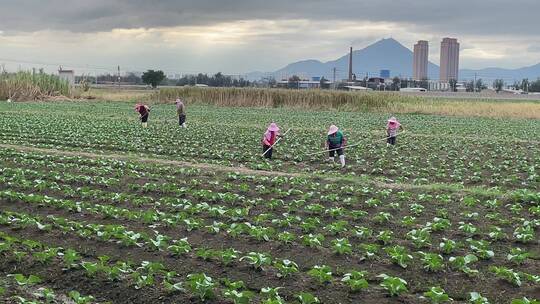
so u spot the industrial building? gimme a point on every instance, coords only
(68, 75)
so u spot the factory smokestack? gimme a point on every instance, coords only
(350, 65)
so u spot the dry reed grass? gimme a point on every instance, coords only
(275, 98)
(349, 101)
(472, 108)
(109, 94)
(26, 86)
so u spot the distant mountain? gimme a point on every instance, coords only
(509, 75)
(387, 54)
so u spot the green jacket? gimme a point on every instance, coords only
(336, 140)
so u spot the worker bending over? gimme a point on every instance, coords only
(392, 128)
(335, 143)
(144, 112)
(269, 139)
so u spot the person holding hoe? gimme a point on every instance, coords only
(335, 144)
(181, 111)
(392, 128)
(144, 112)
(269, 140)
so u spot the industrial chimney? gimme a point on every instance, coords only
(350, 66)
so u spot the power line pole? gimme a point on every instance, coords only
(366, 79)
(474, 84)
(334, 80)
(350, 64)
(118, 76)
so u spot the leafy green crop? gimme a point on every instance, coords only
(437, 295)
(323, 273)
(394, 285)
(201, 285)
(356, 280)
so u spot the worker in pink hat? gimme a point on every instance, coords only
(144, 112)
(392, 128)
(269, 139)
(335, 143)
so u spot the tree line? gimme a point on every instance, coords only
(157, 77)
(216, 80)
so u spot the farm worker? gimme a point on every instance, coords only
(144, 111)
(336, 143)
(392, 128)
(269, 139)
(181, 111)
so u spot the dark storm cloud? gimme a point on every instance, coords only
(492, 17)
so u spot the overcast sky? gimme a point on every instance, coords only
(239, 36)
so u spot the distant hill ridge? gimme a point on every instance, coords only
(387, 54)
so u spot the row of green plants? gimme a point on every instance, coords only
(474, 171)
(420, 238)
(398, 254)
(524, 233)
(489, 235)
(246, 186)
(479, 158)
(148, 274)
(199, 283)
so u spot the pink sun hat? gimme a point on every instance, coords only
(393, 120)
(333, 129)
(273, 127)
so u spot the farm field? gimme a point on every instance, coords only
(96, 209)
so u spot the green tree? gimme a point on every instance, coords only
(153, 78)
(535, 86)
(480, 85)
(424, 83)
(395, 83)
(469, 86)
(294, 82)
(272, 82)
(498, 85)
(453, 85)
(324, 83)
(202, 79)
(525, 84)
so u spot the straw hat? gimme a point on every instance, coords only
(333, 129)
(273, 127)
